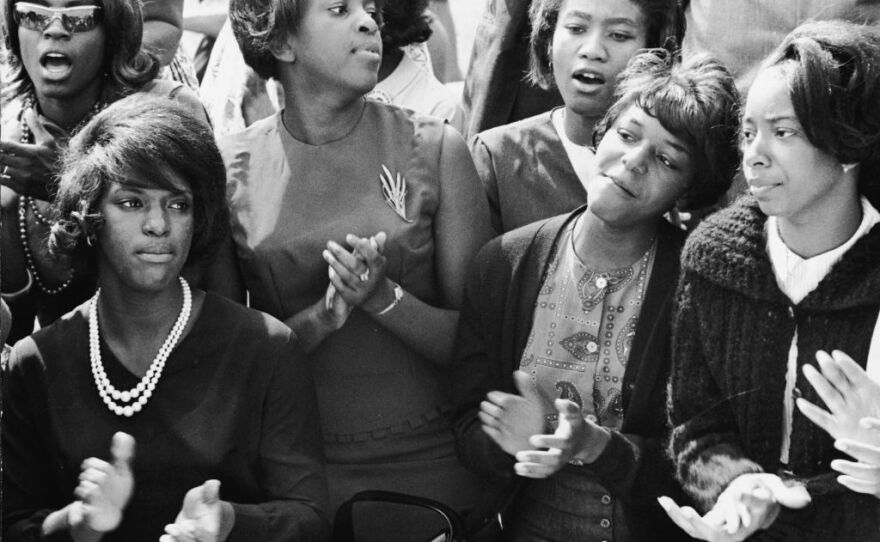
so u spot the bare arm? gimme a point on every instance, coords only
(163, 27)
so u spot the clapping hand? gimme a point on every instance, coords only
(28, 168)
(510, 419)
(104, 489)
(751, 502)
(200, 516)
(853, 402)
(359, 275)
(574, 438)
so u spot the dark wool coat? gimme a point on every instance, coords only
(495, 323)
(732, 331)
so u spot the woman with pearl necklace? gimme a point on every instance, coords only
(208, 408)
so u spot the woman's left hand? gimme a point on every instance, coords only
(848, 393)
(29, 168)
(574, 438)
(200, 517)
(862, 476)
(359, 275)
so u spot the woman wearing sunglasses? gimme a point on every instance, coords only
(207, 409)
(67, 61)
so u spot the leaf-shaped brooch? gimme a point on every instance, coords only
(394, 190)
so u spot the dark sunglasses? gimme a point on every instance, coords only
(73, 19)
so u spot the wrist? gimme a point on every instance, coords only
(591, 448)
(227, 520)
(386, 298)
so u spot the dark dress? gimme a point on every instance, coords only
(384, 407)
(235, 402)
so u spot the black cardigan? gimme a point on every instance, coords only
(733, 328)
(494, 326)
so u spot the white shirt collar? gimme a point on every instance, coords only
(798, 276)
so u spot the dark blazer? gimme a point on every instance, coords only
(494, 325)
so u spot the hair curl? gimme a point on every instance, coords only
(126, 64)
(260, 25)
(831, 68)
(696, 101)
(665, 28)
(152, 137)
(405, 22)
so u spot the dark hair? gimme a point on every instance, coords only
(405, 22)
(696, 101)
(259, 25)
(154, 136)
(126, 64)
(831, 68)
(665, 28)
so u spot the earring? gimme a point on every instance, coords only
(848, 167)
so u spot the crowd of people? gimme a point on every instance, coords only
(633, 297)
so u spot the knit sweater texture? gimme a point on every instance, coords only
(732, 331)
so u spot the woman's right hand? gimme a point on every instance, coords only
(104, 489)
(28, 168)
(510, 419)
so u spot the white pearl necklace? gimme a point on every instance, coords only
(141, 393)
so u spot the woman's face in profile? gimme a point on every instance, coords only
(790, 177)
(146, 235)
(592, 43)
(643, 170)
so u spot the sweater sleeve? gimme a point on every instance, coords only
(486, 170)
(704, 444)
(29, 494)
(475, 375)
(291, 463)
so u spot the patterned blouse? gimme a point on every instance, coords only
(582, 333)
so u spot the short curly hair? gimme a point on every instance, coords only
(405, 22)
(831, 68)
(666, 25)
(259, 25)
(154, 136)
(128, 66)
(696, 101)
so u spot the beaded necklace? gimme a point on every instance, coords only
(26, 203)
(141, 393)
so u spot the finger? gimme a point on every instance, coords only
(347, 279)
(342, 288)
(862, 471)
(864, 452)
(488, 420)
(329, 296)
(870, 423)
(75, 513)
(795, 496)
(364, 248)
(85, 490)
(493, 433)
(827, 384)
(816, 415)
(551, 441)
(674, 512)
(211, 491)
(568, 410)
(97, 464)
(525, 387)
(348, 259)
(93, 475)
(122, 450)
(850, 369)
(539, 457)
(731, 517)
(869, 487)
(533, 470)
(491, 409)
(380, 238)
(15, 161)
(500, 398)
(168, 538)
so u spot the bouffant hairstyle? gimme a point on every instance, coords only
(832, 69)
(127, 66)
(696, 101)
(152, 137)
(260, 25)
(404, 22)
(665, 28)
